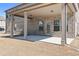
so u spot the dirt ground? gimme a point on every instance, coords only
(16, 47)
(75, 43)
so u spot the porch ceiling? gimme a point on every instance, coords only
(45, 11)
(52, 9)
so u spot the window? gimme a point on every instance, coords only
(41, 25)
(48, 28)
(56, 25)
(67, 27)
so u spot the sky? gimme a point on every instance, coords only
(5, 6)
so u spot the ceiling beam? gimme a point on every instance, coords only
(19, 16)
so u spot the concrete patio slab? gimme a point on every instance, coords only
(55, 40)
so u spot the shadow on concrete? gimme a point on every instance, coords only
(31, 38)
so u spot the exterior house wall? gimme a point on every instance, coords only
(18, 24)
(76, 23)
(70, 32)
(71, 26)
(8, 24)
(33, 26)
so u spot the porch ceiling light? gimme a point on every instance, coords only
(51, 11)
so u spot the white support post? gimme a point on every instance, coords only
(6, 23)
(11, 25)
(64, 20)
(25, 25)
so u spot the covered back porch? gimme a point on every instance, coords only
(45, 14)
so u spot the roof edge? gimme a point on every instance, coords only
(14, 7)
